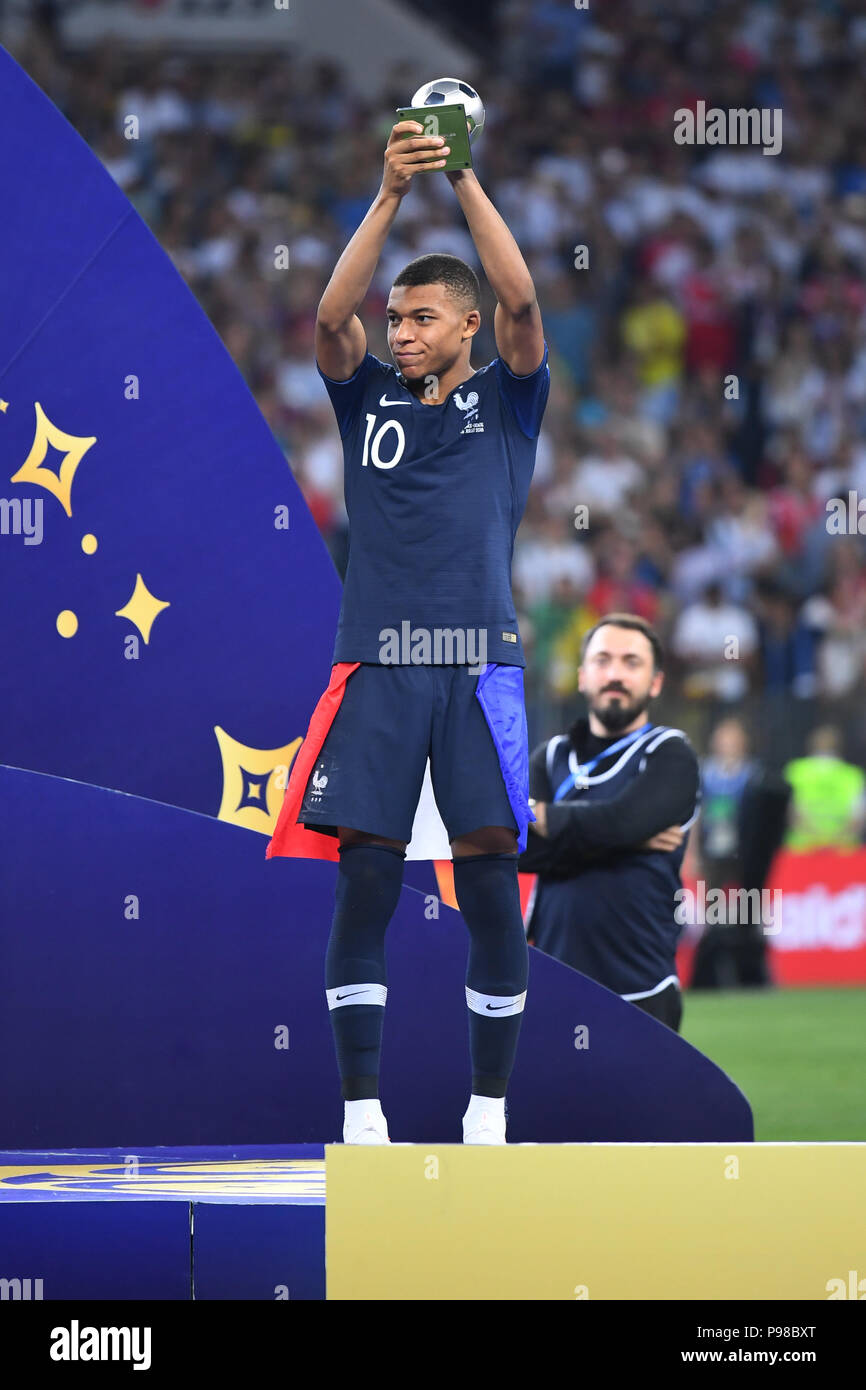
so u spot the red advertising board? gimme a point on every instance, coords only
(822, 940)
(814, 908)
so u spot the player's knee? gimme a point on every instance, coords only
(349, 836)
(490, 839)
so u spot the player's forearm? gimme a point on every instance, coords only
(663, 795)
(506, 270)
(350, 281)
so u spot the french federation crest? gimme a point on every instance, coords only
(469, 406)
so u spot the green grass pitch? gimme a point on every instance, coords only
(799, 1056)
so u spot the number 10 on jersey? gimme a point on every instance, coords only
(372, 443)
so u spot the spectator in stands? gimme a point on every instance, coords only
(654, 331)
(788, 644)
(717, 643)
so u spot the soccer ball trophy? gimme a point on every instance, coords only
(448, 91)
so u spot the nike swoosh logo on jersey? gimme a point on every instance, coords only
(493, 1007)
(349, 996)
(383, 401)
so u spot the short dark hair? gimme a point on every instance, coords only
(633, 623)
(438, 268)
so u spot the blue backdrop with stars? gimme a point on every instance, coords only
(179, 586)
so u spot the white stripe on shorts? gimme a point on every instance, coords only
(356, 994)
(495, 1005)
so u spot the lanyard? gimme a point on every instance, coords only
(584, 769)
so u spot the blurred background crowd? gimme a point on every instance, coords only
(707, 350)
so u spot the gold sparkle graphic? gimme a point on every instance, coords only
(67, 623)
(89, 544)
(72, 446)
(4, 406)
(271, 765)
(142, 609)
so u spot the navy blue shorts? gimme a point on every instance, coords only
(370, 770)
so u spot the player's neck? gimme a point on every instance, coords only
(459, 373)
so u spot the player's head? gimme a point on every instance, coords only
(620, 669)
(433, 311)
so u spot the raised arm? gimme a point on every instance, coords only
(517, 322)
(340, 338)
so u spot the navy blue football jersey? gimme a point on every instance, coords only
(434, 495)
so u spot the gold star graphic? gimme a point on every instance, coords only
(72, 446)
(142, 609)
(4, 406)
(270, 764)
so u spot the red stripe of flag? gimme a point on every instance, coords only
(290, 839)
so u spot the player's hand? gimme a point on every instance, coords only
(664, 840)
(406, 157)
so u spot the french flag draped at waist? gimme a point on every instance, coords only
(290, 839)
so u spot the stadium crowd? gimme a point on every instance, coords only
(708, 347)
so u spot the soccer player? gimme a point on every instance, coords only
(438, 459)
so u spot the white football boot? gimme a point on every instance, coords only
(484, 1123)
(367, 1127)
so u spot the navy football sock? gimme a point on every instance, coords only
(368, 888)
(497, 974)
